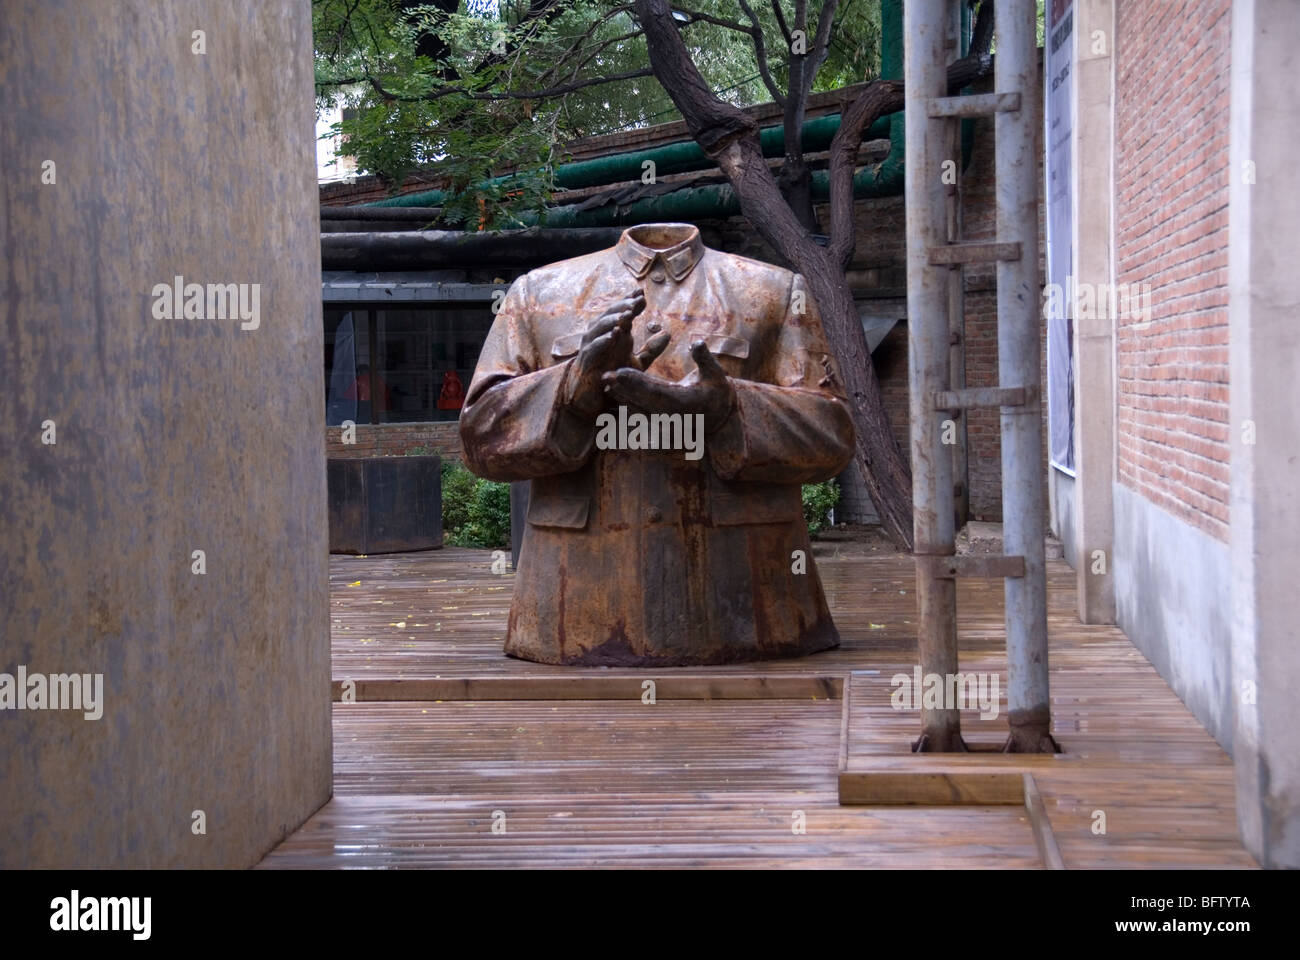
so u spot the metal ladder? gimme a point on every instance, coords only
(936, 256)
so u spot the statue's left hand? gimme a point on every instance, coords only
(706, 390)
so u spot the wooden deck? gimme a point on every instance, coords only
(448, 738)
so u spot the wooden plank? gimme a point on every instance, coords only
(1044, 838)
(977, 398)
(975, 760)
(588, 687)
(845, 714)
(581, 784)
(955, 254)
(748, 830)
(974, 106)
(928, 785)
(976, 565)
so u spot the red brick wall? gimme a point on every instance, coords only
(396, 440)
(1171, 223)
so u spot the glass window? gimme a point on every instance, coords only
(347, 366)
(404, 365)
(424, 360)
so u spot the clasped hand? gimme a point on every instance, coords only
(606, 366)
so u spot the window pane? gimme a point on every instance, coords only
(424, 360)
(347, 366)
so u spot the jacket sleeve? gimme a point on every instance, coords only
(514, 425)
(796, 428)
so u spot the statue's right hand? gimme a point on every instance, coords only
(606, 345)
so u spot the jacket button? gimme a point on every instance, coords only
(657, 276)
(654, 515)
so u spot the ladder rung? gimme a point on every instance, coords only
(977, 567)
(950, 254)
(977, 397)
(975, 105)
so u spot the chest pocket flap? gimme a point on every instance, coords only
(550, 510)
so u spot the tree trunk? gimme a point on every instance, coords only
(795, 181)
(887, 473)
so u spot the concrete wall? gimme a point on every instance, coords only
(170, 435)
(1173, 599)
(1169, 388)
(1091, 510)
(1265, 543)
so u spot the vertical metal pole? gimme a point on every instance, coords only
(957, 338)
(925, 49)
(1019, 351)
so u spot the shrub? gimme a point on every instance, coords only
(489, 517)
(818, 498)
(457, 491)
(475, 512)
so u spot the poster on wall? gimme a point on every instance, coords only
(1058, 120)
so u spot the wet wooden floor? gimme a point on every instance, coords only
(457, 756)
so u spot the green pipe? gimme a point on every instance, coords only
(888, 177)
(884, 179)
(815, 135)
(889, 172)
(713, 201)
(670, 159)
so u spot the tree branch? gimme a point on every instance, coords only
(780, 20)
(555, 91)
(713, 123)
(540, 13)
(695, 15)
(821, 46)
(730, 137)
(877, 100)
(760, 53)
(585, 36)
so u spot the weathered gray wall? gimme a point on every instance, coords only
(1173, 597)
(172, 435)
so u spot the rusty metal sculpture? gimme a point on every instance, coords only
(650, 544)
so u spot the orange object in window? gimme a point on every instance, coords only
(360, 389)
(452, 394)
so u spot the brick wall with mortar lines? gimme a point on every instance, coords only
(396, 440)
(1171, 225)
